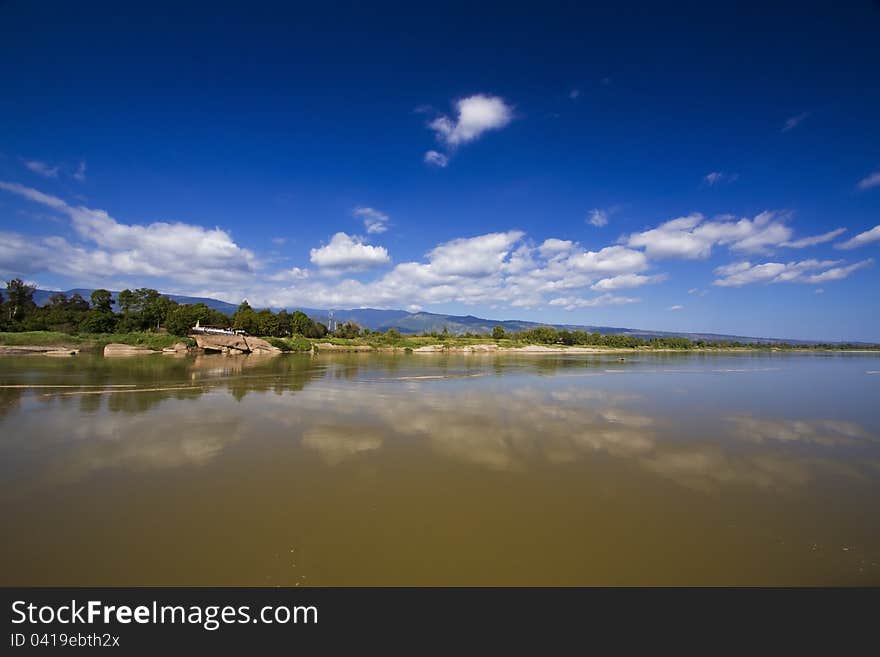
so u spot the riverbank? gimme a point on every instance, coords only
(39, 341)
(56, 343)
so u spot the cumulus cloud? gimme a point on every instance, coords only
(436, 159)
(794, 121)
(805, 271)
(717, 177)
(176, 250)
(474, 115)
(42, 168)
(869, 181)
(804, 242)
(495, 268)
(474, 256)
(861, 239)
(347, 253)
(554, 247)
(374, 220)
(692, 237)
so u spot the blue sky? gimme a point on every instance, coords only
(702, 168)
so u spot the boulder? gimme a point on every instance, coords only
(221, 343)
(260, 346)
(115, 349)
(231, 344)
(430, 349)
(329, 346)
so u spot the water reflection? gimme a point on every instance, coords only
(580, 454)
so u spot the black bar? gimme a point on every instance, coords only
(544, 620)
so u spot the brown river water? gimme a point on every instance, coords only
(364, 469)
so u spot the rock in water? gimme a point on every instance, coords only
(115, 349)
(235, 343)
(260, 346)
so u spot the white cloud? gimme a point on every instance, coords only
(436, 159)
(745, 273)
(292, 274)
(475, 115)
(554, 247)
(794, 121)
(623, 281)
(42, 168)
(573, 303)
(80, 172)
(279, 241)
(346, 253)
(815, 239)
(718, 177)
(869, 181)
(474, 256)
(691, 237)
(184, 252)
(610, 260)
(493, 269)
(598, 217)
(676, 307)
(374, 221)
(861, 239)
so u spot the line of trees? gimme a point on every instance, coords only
(145, 309)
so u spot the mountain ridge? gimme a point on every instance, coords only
(377, 319)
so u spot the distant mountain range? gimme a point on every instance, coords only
(421, 322)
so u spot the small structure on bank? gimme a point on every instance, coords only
(215, 330)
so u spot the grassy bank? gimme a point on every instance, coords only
(90, 341)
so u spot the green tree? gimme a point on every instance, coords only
(245, 319)
(498, 332)
(100, 318)
(285, 324)
(20, 299)
(102, 300)
(182, 317)
(348, 330)
(267, 323)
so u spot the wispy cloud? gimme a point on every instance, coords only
(804, 242)
(42, 168)
(623, 281)
(80, 172)
(374, 221)
(805, 271)
(574, 303)
(598, 217)
(718, 177)
(869, 181)
(862, 239)
(676, 307)
(792, 122)
(436, 159)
